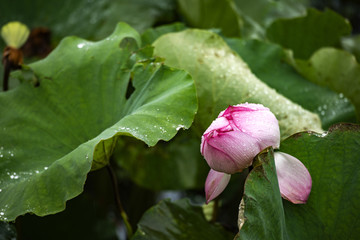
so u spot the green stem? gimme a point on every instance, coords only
(215, 210)
(6, 76)
(118, 201)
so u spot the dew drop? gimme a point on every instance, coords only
(180, 126)
(81, 45)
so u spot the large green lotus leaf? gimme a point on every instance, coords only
(52, 135)
(304, 35)
(177, 220)
(259, 14)
(266, 61)
(212, 14)
(336, 69)
(222, 78)
(331, 211)
(261, 213)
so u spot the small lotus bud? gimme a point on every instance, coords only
(15, 34)
(293, 177)
(215, 184)
(239, 133)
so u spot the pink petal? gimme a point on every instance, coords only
(293, 177)
(230, 152)
(215, 126)
(218, 124)
(243, 107)
(261, 124)
(215, 184)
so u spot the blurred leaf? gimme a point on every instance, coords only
(259, 14)
(336, 69)
(304, 35)
(91, 215)
(54, 134)
(352, 45)
(178, 220)
(151, 34)
(86, 18)
(7, 231)
(331, 211)
(222, 78)
(212, 14)
(90, 19)
(266, 61)
(169, 165)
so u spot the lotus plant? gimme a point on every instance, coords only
(233, 140)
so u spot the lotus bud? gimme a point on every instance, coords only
(15, 34)
(215, 184)
(293, 177)
(239, 133)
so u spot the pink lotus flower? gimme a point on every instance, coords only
(233, 140)
(239, 133)
(293, 177)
